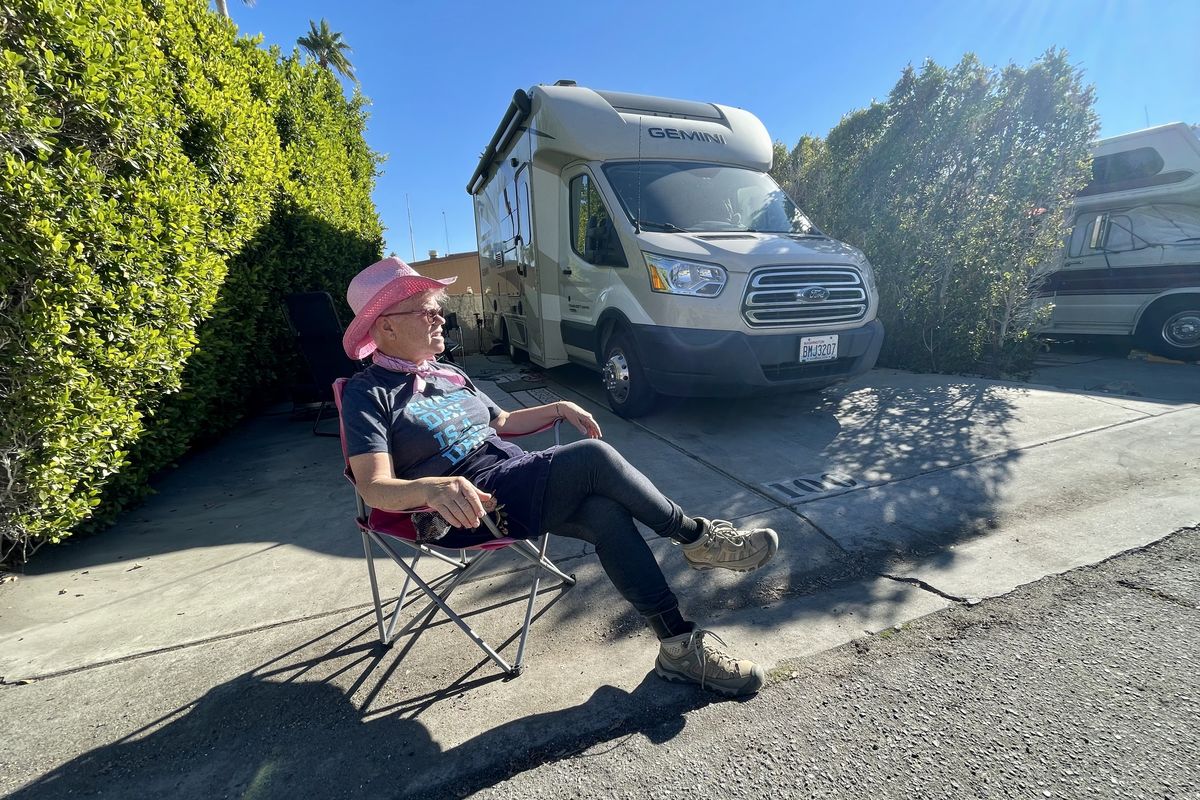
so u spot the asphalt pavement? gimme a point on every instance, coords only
(1081, 685)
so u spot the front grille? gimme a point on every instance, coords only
(775, 296)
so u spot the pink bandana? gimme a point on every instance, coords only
(419, 371)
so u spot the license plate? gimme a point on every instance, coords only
(818, 348)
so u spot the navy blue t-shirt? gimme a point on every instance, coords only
(431, 434)
(445, 430)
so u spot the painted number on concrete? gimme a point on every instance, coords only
(809, 487)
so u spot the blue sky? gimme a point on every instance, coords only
(440, 74)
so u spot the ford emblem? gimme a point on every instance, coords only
(813, 294)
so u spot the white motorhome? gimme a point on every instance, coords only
(1132, 263)
(642, 237)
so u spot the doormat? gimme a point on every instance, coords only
(522, 385)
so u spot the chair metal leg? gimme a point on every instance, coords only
(400, 601)
(430, 608)
(437, 600)
(538, 558)
(440, 601)
(387, 636)
(374, 587)
(519, 663)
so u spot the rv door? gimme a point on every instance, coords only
(590, 252)
(525, 255)
(523, 319)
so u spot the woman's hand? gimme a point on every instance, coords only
(584, 422)
(457, 499)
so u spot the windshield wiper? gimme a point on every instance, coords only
(662, 226)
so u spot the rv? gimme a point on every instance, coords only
(642, 237)
(1131, 266)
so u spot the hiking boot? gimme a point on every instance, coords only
(722, 545)
(694, 658)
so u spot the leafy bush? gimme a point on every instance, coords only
(164, 184)
(957, 188)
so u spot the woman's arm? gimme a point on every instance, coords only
(457, 499)
(527, 420)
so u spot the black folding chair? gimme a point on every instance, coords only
(454, 338)
(318, 332)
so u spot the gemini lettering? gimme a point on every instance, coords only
(676, 133)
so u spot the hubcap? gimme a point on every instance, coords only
(1182, 329)
(616, 376)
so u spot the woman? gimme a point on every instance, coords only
(419, 433)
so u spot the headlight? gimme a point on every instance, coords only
(868, 274)
(672, 276)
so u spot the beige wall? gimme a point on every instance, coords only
(465, 266)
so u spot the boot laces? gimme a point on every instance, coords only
(721, 530)
(697, 643)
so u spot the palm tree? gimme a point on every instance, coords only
(327, 47)
(223, 7)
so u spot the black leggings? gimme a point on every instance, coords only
(594, 494)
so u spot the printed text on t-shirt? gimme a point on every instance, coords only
(447, 419)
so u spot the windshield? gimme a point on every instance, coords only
(683, 196)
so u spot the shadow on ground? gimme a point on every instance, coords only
(287, 729)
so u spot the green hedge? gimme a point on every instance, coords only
(957, 188)
(164, 183)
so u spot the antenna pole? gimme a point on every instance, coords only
(411, 243)
(637, 217)
(446, 225)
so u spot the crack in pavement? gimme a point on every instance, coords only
(926, 586)
(1159, 594)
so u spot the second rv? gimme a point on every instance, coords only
(1131, 266)
(642, 236)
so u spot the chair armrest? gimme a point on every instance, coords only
(556, 424)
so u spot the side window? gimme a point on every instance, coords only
(1120, 236)
(1130, 165)
(1080, 243)
(593, 235)
(524, 229)
(508, 220)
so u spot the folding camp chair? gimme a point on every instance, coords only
(395, 534)
(318, 332)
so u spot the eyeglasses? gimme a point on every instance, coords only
(430, 314)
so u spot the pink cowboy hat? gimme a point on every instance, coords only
(373, 291)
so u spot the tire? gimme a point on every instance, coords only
(629, 393)
(515, 354)
(1171, 328)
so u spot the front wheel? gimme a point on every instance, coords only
(1171, 328)
(629, 393)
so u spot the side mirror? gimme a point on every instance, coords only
(610, 251)
(602, 245)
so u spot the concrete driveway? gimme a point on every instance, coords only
(218, 640)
